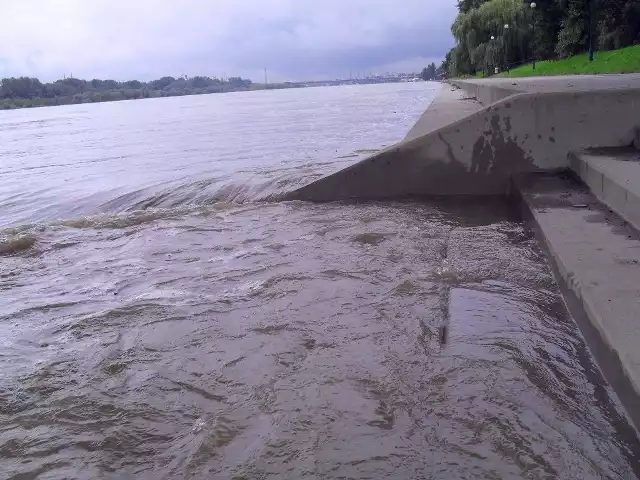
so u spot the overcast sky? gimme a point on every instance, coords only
(293, 39)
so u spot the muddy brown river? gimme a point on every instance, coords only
(164, 316)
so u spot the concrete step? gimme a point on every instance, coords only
(596, 258)
(613, 175)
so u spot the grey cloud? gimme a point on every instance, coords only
(294, 39)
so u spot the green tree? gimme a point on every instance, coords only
(618, 23)
(428, 72)
(133, 84)
(496, 33)
(572, 37)
(545, 23)
(465, 5)
(445, 66)
(22, 87)
(28, 92)
(554, 29)
(162, 83)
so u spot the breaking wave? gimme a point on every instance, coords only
(251, 187)
(164, 201)
(15, 243)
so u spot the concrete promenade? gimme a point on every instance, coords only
(572, 83)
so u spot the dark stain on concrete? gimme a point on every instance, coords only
(495, 123)
(496, 153)
(552, 139)
(507, 123)
(482, 155)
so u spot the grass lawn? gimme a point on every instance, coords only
(625, 60)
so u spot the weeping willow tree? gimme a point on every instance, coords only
(555, 29)
(509, 22)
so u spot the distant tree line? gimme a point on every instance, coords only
(430, 72)
(31, 92)
(553, 29)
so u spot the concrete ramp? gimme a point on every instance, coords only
(477, 154)
(450, 105)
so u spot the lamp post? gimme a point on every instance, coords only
(495, 70)
(533, 6)
(506, 49)
(591, 30)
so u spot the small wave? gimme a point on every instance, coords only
(170, 200)
(15, 239)
(124, 220)
(370, 238)
(12, 244)
(205, 192)
(367, 150)
(449, 273)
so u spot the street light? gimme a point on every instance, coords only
(591, 30)
(504, 41)
(533, 33)
(492, 55)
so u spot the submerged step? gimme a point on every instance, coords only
(596, 255)
(613, 175)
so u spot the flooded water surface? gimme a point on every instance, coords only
(163, 315)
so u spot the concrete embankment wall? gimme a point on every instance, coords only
(477, 154)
